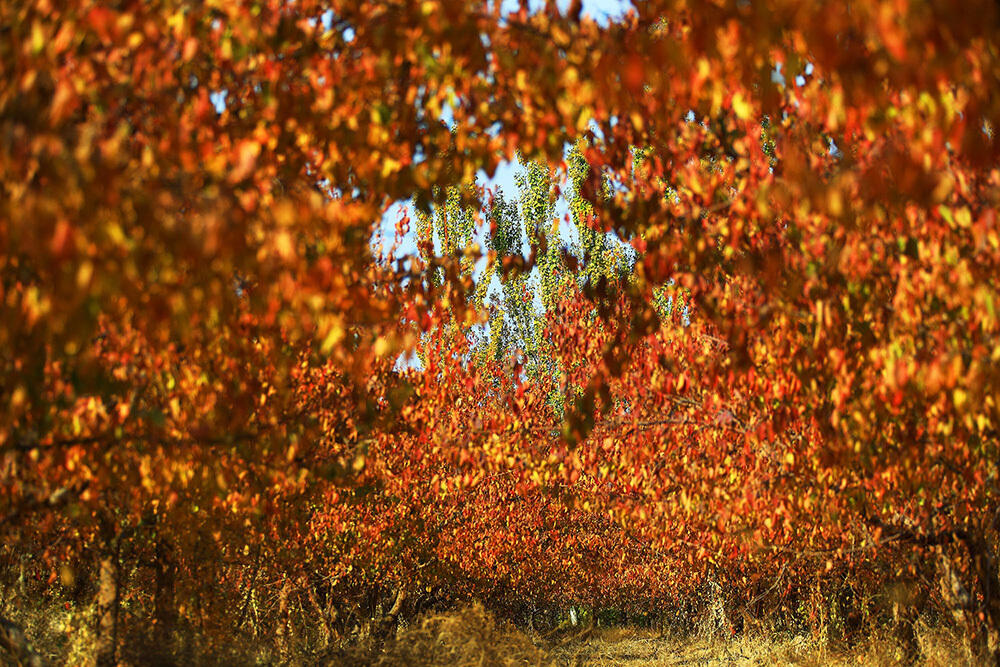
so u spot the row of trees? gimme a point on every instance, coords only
(766, 365)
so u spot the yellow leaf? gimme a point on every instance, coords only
(284, 245)
(37, 38)
(960, 397)
(741, 107)
(84, 273)
(383, 346)
(963, 217)
(389, 166)
(333, 336)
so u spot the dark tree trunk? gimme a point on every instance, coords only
(985, 621)
(985, 567)
(385, 627)
(165, 604)
(390, 620)
(326, 620)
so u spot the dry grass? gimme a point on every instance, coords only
(59, 635)
(467, 638)
(473, 637)
(634, 648)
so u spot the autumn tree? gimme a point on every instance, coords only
(791, 372)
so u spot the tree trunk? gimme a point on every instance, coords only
(985, 566)
(983, 622)
(987, 579)
(323, 615)
(165, 606)
(107, 611)
(283, 631)
(396, 608)
(386, 627)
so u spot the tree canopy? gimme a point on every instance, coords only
(769, 352)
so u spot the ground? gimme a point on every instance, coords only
(472, 637)
(635, 648)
